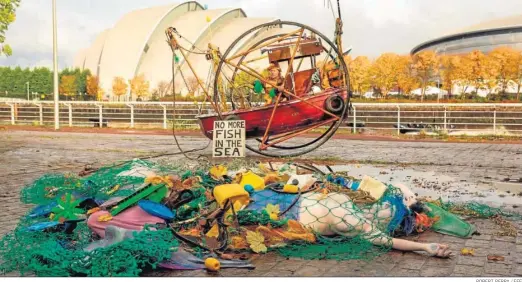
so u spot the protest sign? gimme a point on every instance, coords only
(229, 139)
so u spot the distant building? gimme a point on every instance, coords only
(484, 37)
(136, 44)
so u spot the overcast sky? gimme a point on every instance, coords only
(371, 26)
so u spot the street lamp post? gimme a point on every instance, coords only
(55, 63)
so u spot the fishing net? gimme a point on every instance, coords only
(340, 249)
(112, 181)
(329, 217)
(59, 251)
(356, 229)
(58, 254)
(475, 209)
(247, 218)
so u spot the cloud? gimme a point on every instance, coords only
(371, 27)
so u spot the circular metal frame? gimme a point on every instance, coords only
(329, 54)
(317, 142)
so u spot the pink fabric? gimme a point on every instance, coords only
(133, 218)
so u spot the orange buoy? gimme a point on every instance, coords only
(212, 264)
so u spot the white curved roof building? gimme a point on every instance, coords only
(79, 59)
(136, 44)
(485, 37)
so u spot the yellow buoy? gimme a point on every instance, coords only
(232, 192)
(253, 179)
(212, 264)
(289, 188)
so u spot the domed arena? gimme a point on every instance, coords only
(136, 44)
(486, 36)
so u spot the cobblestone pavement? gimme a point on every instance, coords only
(25, 156)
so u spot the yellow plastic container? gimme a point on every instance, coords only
(253, 179)
(374, 187)
(233, 192)
(289, 188)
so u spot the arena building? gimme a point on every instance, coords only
(136, 44)
(484, 37)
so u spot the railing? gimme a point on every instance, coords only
(453, 118)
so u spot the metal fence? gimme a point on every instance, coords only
(463, 118)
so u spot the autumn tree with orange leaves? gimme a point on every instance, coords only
(506, 62)
(406, 80)
(119, 87)
(93, 85)
(99, 94)
(450, 70)
(426, 66)
(490, 81)
(359, 74)
(479, 69)
(68, 85)
(383, 72)
(140, 86)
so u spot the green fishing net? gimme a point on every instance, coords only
(192, 208)
(100, 185)
(358, 231)
(249, 217)
(205, 180)
(344, 223)
(339, 249)
(60, 251)
(475, 209)
(58, 254)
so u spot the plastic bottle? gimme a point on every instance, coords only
(354, 185)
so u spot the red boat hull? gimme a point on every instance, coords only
(289, 116)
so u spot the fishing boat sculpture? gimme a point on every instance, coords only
(291, 88)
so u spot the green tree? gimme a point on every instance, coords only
(6, 80)
(42, 80)
(17, 78)
(14, 80)
(3, 79)
(7, 16)
(81, 78)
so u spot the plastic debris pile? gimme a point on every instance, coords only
(126, 219)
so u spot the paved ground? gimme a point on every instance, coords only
(468, 170)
